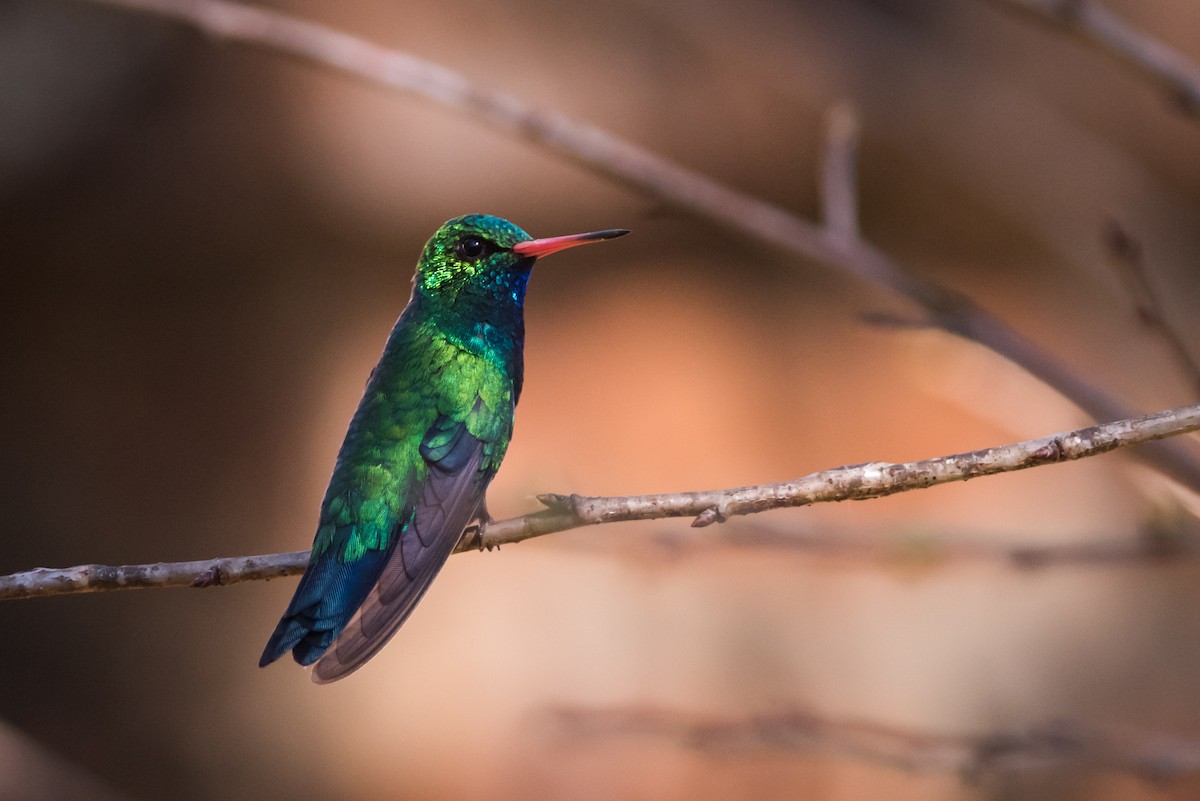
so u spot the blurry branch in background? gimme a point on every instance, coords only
(1126, 253)
(839, 190)
(565, 512)
(1172, 540)
(657, 177)
(974, 757)
(32, 772)
(1104, 30)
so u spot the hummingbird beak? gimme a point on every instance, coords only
(542, 247)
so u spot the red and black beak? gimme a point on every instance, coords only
(543, 247)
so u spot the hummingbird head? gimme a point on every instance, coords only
(472, 252)
(471, 281)
(479, 265)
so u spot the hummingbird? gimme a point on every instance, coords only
(430, 431)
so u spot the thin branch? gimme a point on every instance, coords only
(915, 550)
(657, 177)
(43, 581)
(565, 512)
(1126, 253)
(839, 192)
(857, 482)
(1104, 30)
(971, 756)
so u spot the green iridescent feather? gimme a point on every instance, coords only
(446, 384)
(431, 429)
(423, 378)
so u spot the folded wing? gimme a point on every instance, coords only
(445, 503)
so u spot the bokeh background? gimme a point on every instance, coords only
(204, 247)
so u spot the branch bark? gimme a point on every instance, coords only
(1104, 30)
(565, 512)
(657, 177)
(971, 756)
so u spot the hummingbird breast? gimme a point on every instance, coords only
(425, 376)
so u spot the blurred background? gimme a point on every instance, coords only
(204, 247)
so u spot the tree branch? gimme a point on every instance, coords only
(657, 177)
(839, 192)
(971, 756)
(1104, 30)
(1126, 253)
(565, 512)
(1162, 542)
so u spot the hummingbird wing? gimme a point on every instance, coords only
(448, 500)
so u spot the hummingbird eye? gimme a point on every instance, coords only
(472, 247)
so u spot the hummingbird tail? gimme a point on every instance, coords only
(326, 598)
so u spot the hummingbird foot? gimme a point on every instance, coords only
(472, 536)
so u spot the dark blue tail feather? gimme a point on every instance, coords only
(328, 595)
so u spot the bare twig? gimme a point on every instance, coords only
(43, 581)
(858, 482)
(659, 178)
(565, 512)
(839, 193)
(1104, 30)
(972, 756)
(1127, 258)
(920, 550)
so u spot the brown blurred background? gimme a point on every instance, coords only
(205, 246)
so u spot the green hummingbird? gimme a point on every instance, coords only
(429, 434)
